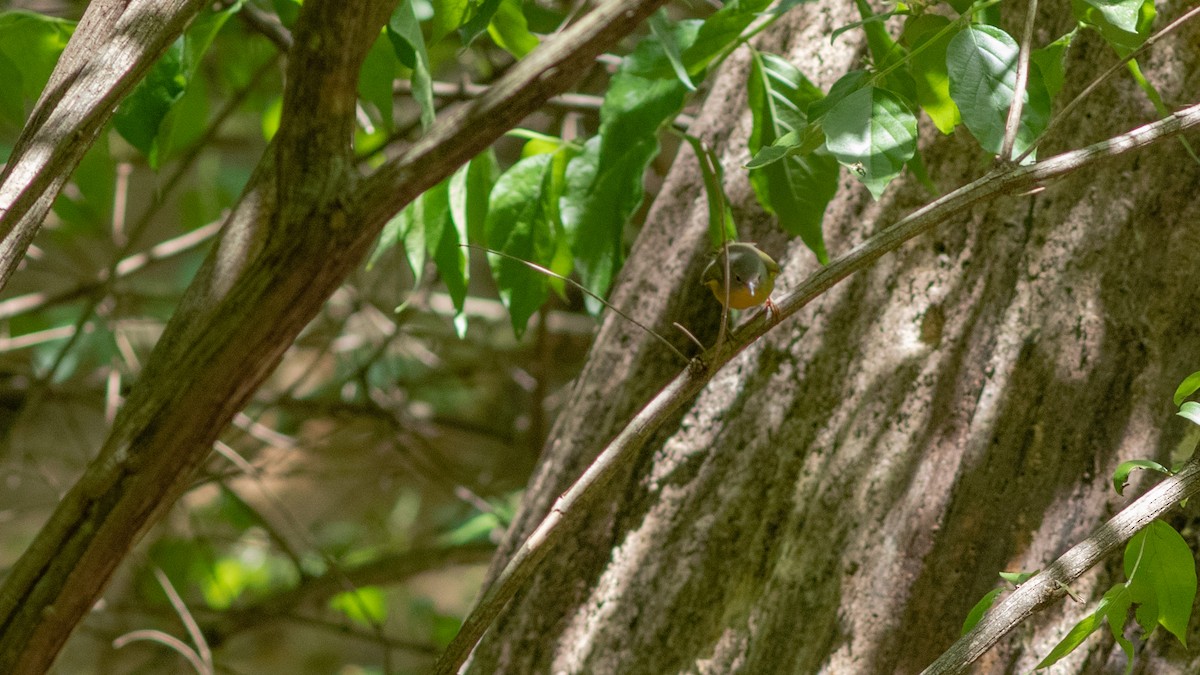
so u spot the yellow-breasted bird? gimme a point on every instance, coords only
(752, 276)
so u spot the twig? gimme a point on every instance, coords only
(1013, 124)
(189, 622)
(623, 449)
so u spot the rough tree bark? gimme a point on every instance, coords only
(842, 492)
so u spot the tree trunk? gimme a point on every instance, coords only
(846, 489)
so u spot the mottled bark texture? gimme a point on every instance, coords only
(843, 491)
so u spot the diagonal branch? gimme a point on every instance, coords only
(623, 449)
(114, 45)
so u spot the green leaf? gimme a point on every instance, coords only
(985, 603)
(143, 118)
(404, 32)
(518, 224)
(1120, 477)
(510, 30)
(1162, 578)
(720, 31)
(982, 65)
(365, 606)
(30, 45)
(375, 79)
(1090, 624)
(798, 188)
(469, 190)
(872, 132)
(604, 182)
(1189, 386)
(448, 16)
(846, 85)
(661, 28)
(1190, 411)
(1122, 14)
(444, 235)
(1123, 38)
(140, 116)
(1017, 578)
(1051, 63)
(479, 21)
(928, 68)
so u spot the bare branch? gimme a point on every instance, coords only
(114, 45)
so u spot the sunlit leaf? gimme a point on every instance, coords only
(510, 30)
(873, 133)
(1162, 578)
(799, 187)
(1120, 477)
(928, 68)
(519, 225)
(982, 65)
(365, 606)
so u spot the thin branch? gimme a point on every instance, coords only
(32, 302)
(189, 622)
(1013, 124)
(1050, 584)
(538, 268)
(167, 640)
(623, 449)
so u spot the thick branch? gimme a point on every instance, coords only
(1048, 585)
(623, 450)
(296, 233)
(115, 44)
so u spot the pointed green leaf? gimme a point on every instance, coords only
(518, 224)
(660, 26)
(404, 32)
(873, 133)
(1122, 14)
(30, 45)
(1189, 386)
(1120, 477)
(478, 22)
(982, 65)
(443, 236)
(799, 187)
(1051, 63)
(469, 190)
(448, 16)
(375, 79)
(985, 603)
(1162, 578)
(1088, 625)
(143, 117)
(1190, 411)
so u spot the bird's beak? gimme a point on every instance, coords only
(752, 286)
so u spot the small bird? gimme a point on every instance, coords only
(752, 275)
